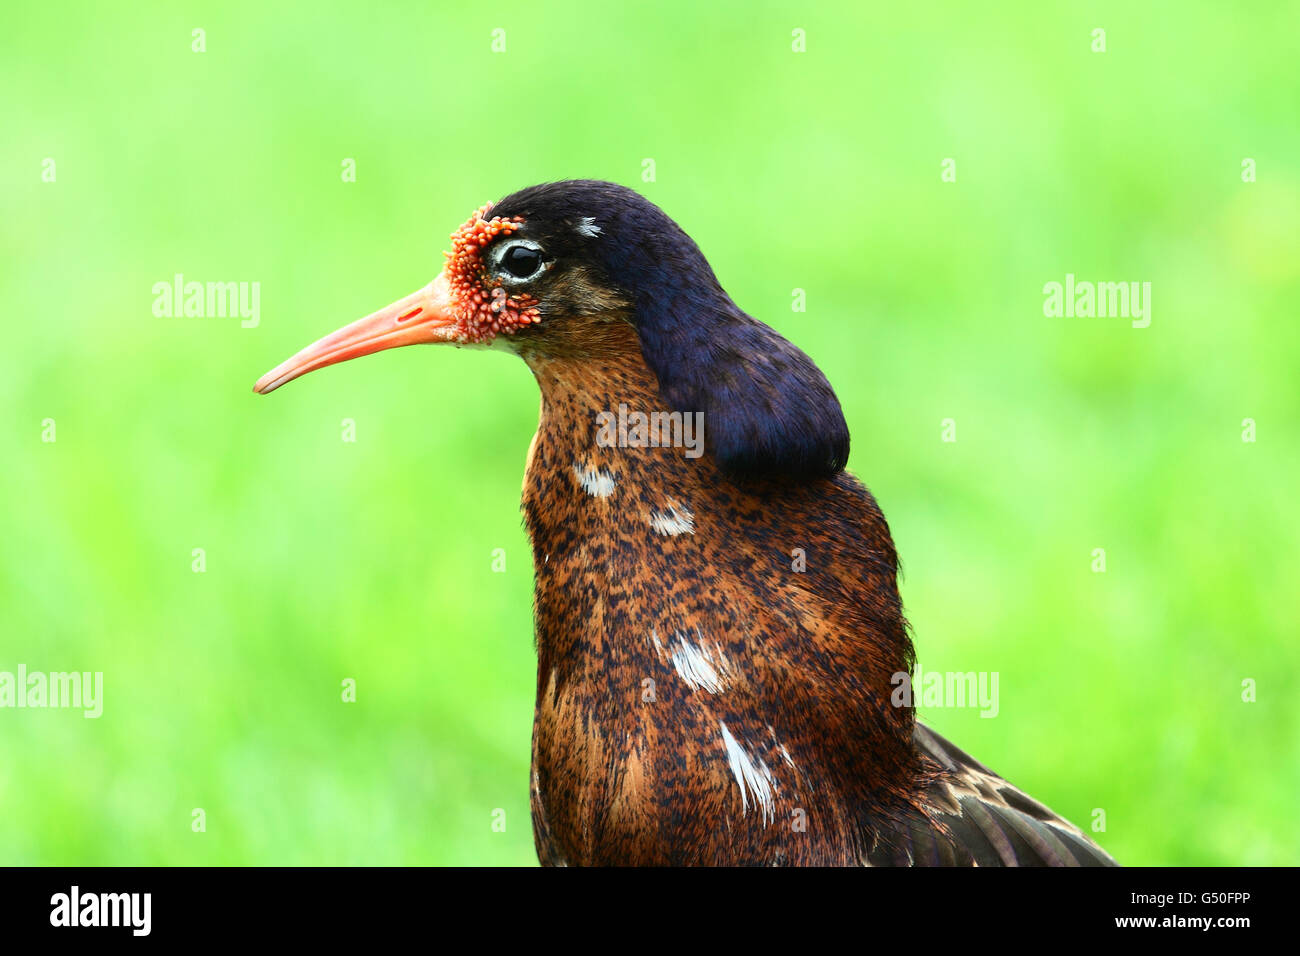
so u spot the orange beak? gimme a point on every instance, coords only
(423, 316)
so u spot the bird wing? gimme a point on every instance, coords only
(986, 821)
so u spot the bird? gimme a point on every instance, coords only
(702, 698)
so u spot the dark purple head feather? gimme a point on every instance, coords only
(769, 412)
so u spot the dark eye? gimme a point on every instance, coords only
(521, 261)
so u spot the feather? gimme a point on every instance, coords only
(992, 821)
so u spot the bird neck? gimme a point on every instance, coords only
(729, 649)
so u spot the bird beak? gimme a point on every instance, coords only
(423, 316)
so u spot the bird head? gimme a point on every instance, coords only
(546, 268)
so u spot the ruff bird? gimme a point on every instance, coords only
(718, 624)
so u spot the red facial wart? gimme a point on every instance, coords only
(484, 313)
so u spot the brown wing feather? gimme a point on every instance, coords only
(986, 821)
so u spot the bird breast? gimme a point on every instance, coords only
(693, 638)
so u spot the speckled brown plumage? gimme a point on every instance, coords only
(627, 771)
(630, 772)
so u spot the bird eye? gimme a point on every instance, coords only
(522, 261)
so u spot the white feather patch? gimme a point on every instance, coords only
(699, 667)
(673, 521)
(754, 780)
(596, 482)
(587, 227)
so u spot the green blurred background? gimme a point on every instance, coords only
(820, 170)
